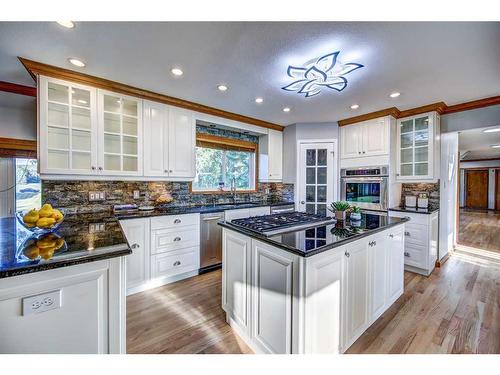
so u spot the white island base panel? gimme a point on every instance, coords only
(279, 302)
(89, 319)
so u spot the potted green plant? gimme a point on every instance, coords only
(355, 213)
(339, 209)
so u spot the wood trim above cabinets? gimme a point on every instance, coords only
(475, 104)
(393, 111)
(226, 143)
(10, 147)
(14, 88)
(438, 107)
(36, 68)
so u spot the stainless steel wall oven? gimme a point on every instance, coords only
(365, 187)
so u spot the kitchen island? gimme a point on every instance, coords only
(311, 290)
(63, 292)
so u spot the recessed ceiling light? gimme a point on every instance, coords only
(491, 130)
(76, 62)
(395, 94)
(495, 146)
(177, 72)
(286, 109)
(67, 24)
(355, 106)
(222, 87)
(259, 100)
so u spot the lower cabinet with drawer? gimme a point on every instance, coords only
(421, 241)
(164, 249)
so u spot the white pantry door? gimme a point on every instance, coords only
(316, 177)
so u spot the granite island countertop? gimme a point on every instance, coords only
(83, 238)
(311, 241)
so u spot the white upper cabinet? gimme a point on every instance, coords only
(417, 150)
(169, 141)
(181, 143)
(368, 138)
(67, 128)
(271, 156)
(120, 134)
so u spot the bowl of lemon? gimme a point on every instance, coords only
(44, 220)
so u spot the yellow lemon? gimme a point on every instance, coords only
(31, 217)
(45, 222)
(57, 215)
(59, 243)
(32, 252)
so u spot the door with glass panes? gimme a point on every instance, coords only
(120, 134)
(415, 147)
(316, 183)
(67, 128)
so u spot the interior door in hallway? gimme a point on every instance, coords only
(316, 177)
(476, 189)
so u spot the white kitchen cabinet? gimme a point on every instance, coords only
(271, 156)
(120, 134)
(236, 278)
(365, 139)
(273, 285)
(395, 264)
(418, 148)
(377, 257)
(421, 241)
(357, 288)
(90, 319)
(67, 128)
(169, 141)
(137, 233)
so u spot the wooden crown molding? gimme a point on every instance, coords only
(35, 68)
(475, 104)
(440, 107)
(208, 138)
(392, 111)
(17, 89)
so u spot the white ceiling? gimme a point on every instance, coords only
(476, 144)
(426, 62)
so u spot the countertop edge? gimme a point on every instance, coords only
(410, 211)
(314, 252)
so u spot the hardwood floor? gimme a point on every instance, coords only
(455, 310)
(479, 229)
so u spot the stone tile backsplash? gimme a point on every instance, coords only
(73, 196)
(431, 189)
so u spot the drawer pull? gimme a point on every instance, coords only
(372, 243)
(135, 246)
(347, 254)
(391, 235)
(177, 221)
(407, 254)
(176, 239)
(407, 234)
(177, 263)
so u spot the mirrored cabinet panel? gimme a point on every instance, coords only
(418, 147)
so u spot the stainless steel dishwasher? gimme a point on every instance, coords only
(210, 241)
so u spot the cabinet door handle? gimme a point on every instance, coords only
(359, 152)
(347, 254)
(363, 152)
(391, 235)
(165, 171)
(93, 168)
(302, 202)
(407, 254)
(177, 239)
(100, 168)
(135, 246)
(407, 234)
(177, 221)
(177, 263)
(170, 171)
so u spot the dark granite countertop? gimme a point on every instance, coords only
(425, 211)
(311, 241)
(181, 210)
(81, 238)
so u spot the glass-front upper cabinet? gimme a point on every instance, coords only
(120, 134)
(418, 147)
(67, 127)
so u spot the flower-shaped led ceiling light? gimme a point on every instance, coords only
(314, 75)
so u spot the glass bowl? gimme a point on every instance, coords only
(36, 229)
